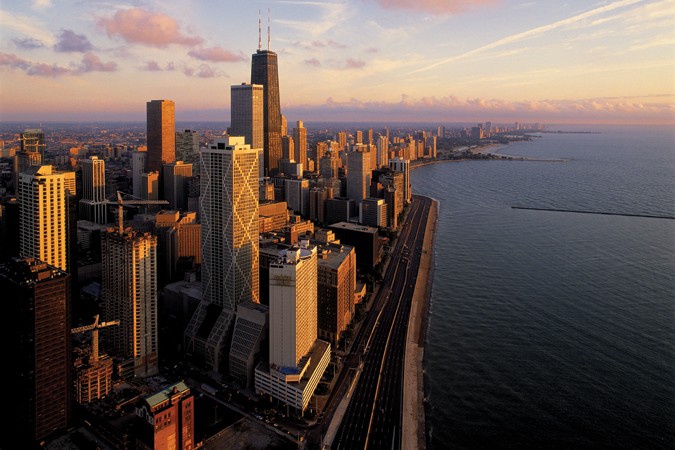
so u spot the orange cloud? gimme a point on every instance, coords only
(434, 6)
(139, 26)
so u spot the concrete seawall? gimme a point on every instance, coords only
(414, 427)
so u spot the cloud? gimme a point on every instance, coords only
(139, 26)
(353, 63)
(31, 68)
(215, 54)
(434, 6)
(312, 62)
(329, 43)
(41, 4)
(570, 21)
(203, 71)
(371, 50)
(92, 63)
(28, 43)
(631, 109)
(153, 66)
(69, 41)
(26, 25)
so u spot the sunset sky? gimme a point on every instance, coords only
(440, 61)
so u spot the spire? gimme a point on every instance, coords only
(268, 28)
(259, 32)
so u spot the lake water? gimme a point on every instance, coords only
(552, 329)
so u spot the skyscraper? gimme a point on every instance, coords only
(31, 153)
(92, 206)
(293, 306)
(358, 173)
(229, 216)
(297, 359)
(37, 343)
(246, 113)
(175, 180)
(139, 160)
(42, 216)
(403, 165)
(264, 71)
(187, 145)
(300, 141)
(161, 134)
(129, 266)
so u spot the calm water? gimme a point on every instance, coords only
(550, 329)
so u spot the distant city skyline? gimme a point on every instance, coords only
(350, 60)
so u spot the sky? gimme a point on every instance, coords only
(444, 61)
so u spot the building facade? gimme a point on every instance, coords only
(167, 419)
(265, 72)
(36, 333)
(129, 276)
(93, 205)
(230, 273)
(358, 173)
(246, 113)
(336, 287)
(161, 134)
(42, 216)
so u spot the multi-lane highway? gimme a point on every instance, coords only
(373, 417)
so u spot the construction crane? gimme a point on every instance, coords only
(121, 202)
(94, 327)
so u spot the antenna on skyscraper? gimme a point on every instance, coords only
(268, 28)
(259, 32)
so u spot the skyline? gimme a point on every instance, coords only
(352, 60)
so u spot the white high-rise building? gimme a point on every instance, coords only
(297, 359)
(42, 215)
(129, 278)
(293, 306)
(229, 217)
(93, 204)
(358, 172)
(403, 165)
(229, 211)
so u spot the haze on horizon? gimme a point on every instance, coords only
(347, 60)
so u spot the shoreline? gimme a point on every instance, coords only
(414, 426)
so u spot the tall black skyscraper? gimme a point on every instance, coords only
(265, 71)
(35, 333)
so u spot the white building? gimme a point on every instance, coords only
(229, 218)
(42, 215)
(297, 359)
